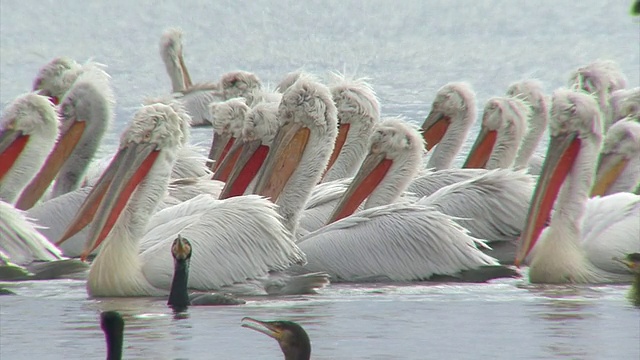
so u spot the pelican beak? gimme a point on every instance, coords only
(248, 163)
(561, 155)
(56, 159)
(185, 72)
(343, 132)
(229, 160)
(610, 166)
(434, 128)
(54, 99)
(481, 150)
(12, 142)
(110, 195)
(283, 159)
(219, 148)
(373, 169)
(262, 326)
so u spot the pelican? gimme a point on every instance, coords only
(227, 256)
(87, 111)
(358, 112)
(179, 298)
(531, 91)
(28, 131)
(393, 241)
(619, 160)
(584, 235)
(293, 340)
(452, 113)
(112, 325)
(599, 78)
(228, 120)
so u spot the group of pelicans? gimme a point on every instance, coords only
(307, 183)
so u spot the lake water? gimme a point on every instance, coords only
(409, 49)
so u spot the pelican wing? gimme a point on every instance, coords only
(190, 163)
(611, 229)
(432, 181)
(400, 241)
(196, 103)
(232, 240)
(492, 206)
(21, 241)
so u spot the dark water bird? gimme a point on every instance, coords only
(179, 298)
(635, 8)
(291, 337)
(113, 326)
(632, 261)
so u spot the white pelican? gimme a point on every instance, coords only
(531, 91)
(28, 131)
(87, 111)
(625, 103)
(358, 112)
(619, 160)
(225, 256)
(393, 241)
(227, 118)
(585, 235)
(599, 78)
(452, 113)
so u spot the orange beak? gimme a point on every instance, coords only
(228, 161)
(343, 132)
(248, 163)
(481, 150)
(434, 128)
(610, 166)
(12, 142)
(57, 157)
(373, 169)
(219, 149)
(561, 155)
(283, 159)
(112, 192)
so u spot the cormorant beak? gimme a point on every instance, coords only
(373, 169)
(481, 150)
(561, 155)
(181, 248)
(219, 149)
(12, 142)
(610, 166)
(434, 128)
(283, 159)
(251, 156)
(111, 193)
(56, 159)
(343, 132)
(264, 327)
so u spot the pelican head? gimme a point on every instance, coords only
(292, 338)
(28, 131)
(171, 53)
(239, 84)
(227, 119)
(454, 104)
(619, 162)
(574, 127)
(289, 80)
(87, 111)
(625, 103)
(55, 78)
(358, 112)
(502, 129)
(112, 325)
(394, 159)
(147, 151)
(260, 127)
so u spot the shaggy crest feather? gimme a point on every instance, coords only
(507, 117)
(228, 116)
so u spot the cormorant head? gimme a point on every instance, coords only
(181, 249)
(291, 337)
(632, 261)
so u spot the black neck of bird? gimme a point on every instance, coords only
(114, 344)
(299, 351)
(635, 290)
(179, 296)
